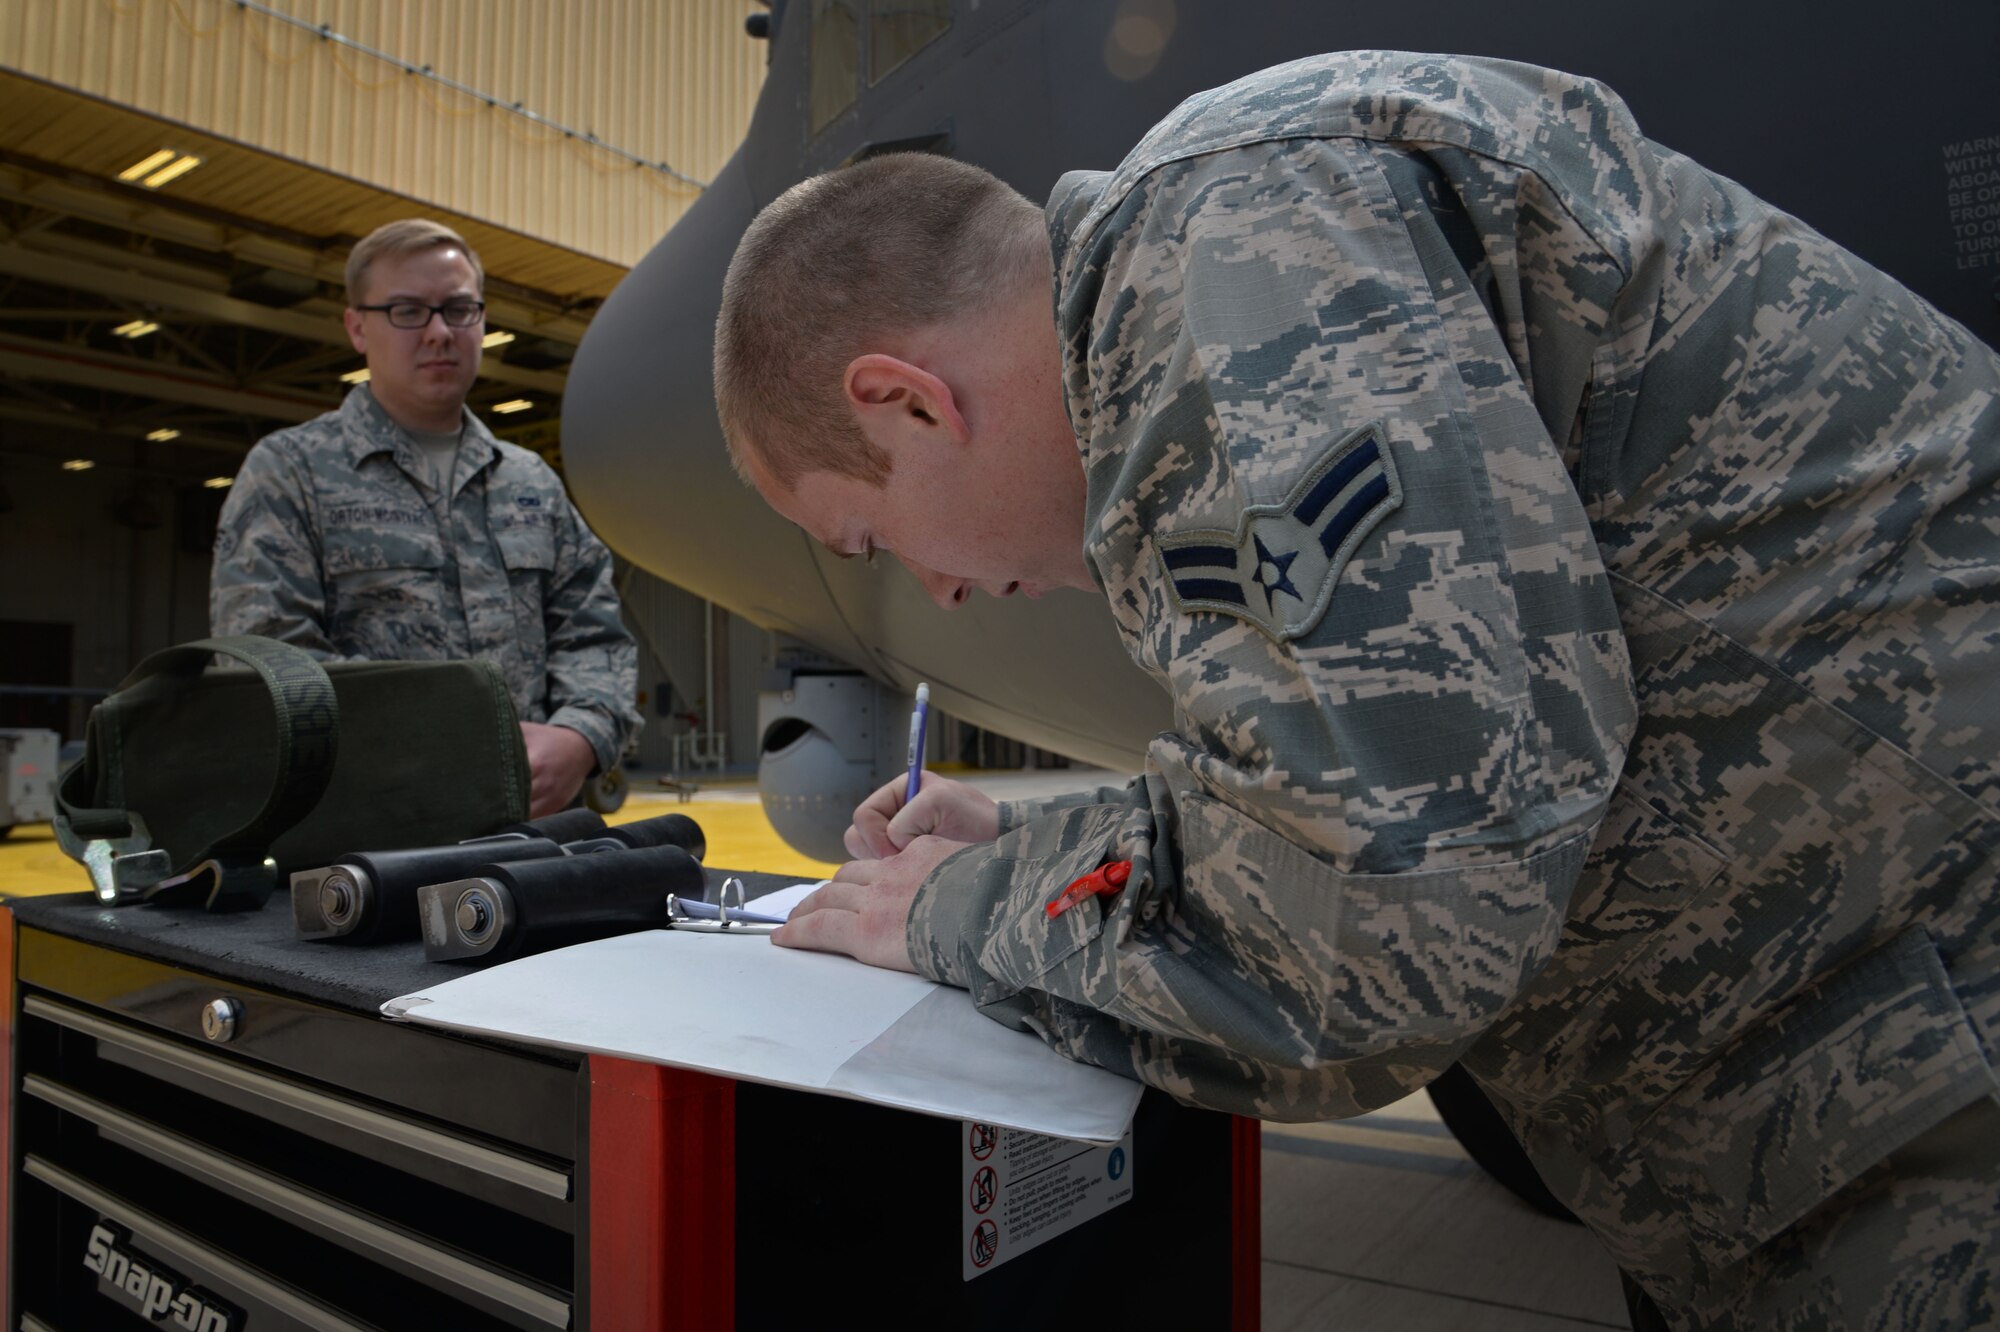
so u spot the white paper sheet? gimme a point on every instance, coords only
(742, 1007)
(781, 902)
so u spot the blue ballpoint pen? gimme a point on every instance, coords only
(919, 717)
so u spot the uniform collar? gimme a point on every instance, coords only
(369, 430)
(1070, 212)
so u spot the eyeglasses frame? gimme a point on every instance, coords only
(433, 312)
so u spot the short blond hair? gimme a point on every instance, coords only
(404, 236)
(898, 242)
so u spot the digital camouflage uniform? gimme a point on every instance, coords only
(1579, 586)
(334, 538)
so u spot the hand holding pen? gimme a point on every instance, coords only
(917, 803)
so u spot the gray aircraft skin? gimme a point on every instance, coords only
(1866, 121)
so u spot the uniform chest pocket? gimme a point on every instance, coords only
(356, 552)
(526, 548)
(528, 552)
(385, 591)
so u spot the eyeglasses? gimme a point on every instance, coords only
(415, 314)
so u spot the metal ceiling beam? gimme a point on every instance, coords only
(43, 185)
(135, 289)
(49, 399)
(190, 437)
(131, 259)
(28, 413)
(36, 265)
(310, 366)
(24, 358)
(50, 314)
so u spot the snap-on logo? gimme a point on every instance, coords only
(161, 1294)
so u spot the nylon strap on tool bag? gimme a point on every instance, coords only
(240, 776)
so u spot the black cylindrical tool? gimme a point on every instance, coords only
(371, 896)
(565, 825)
(505, 911)
(661, 830)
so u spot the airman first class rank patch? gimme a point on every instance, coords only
(1278, 568)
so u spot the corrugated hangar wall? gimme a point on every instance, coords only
(668, 81)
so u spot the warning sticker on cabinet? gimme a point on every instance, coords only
(1020, 1189)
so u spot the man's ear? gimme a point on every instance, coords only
(357, 329)
(891, 394)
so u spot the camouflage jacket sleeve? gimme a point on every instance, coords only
(267, 577)
(1018, 813)
(1330, 521)
(593, 661)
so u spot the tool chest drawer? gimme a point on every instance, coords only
(191, 1152)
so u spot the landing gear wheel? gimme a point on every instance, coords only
(605, 792)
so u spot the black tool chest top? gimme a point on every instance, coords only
(261, 948)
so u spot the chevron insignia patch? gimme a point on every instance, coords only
(1278, 568)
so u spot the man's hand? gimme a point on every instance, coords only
(558, 761)
(864, 909)
(883, 825)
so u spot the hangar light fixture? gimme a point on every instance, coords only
(512, 405)
(146, 166)
(499, 337)
(78, 465)
(219, 482)
(355, 377)
(171, 171)
(163, 434)
(136, 328)
(159, 168)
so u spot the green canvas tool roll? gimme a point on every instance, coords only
(203, 784)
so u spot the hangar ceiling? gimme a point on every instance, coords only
(210, 306)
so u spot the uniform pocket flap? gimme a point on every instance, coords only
(524, 547)
(1034, 941)
(361, 551)
(988, 906)
(1855, 1067)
